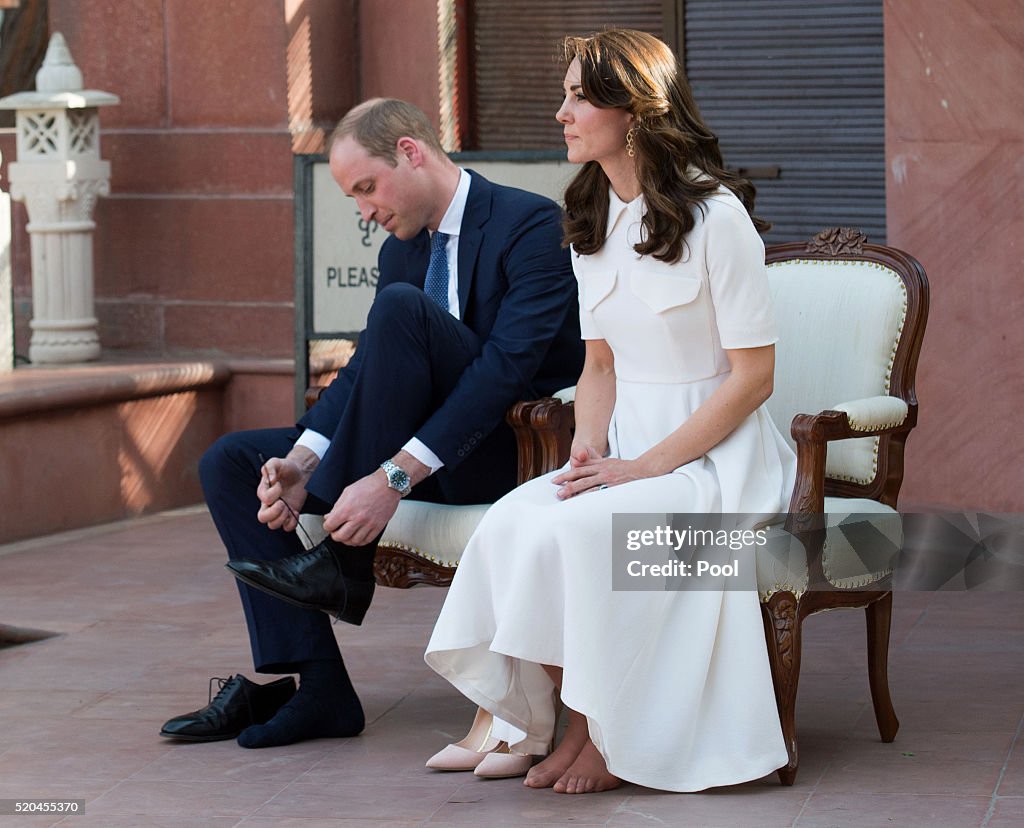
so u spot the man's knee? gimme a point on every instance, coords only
(215, 464)
(397, 305)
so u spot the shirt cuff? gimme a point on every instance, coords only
(315, 442)
(417, 449)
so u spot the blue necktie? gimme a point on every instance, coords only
(436, 283)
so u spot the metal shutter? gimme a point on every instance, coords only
(796, 85)
(518, 63)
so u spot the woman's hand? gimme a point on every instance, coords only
(582, 453)
(589, 471)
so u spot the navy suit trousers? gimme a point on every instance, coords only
(413, 356)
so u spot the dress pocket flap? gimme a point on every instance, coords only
(661, 291)
(596, 285)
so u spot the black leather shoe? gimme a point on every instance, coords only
(312, 579)
(238, 704)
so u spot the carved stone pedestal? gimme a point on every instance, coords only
(59, 175)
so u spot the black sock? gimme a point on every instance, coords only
(325, 706)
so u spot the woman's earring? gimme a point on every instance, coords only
(630, 148)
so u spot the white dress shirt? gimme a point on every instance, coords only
(451, 223)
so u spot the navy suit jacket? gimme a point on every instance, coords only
(517, 293)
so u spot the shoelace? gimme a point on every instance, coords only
(225, 686)
(223, 682)
(291, 511)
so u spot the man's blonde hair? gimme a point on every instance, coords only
(378, 123)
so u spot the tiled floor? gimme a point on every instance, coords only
(147, 613)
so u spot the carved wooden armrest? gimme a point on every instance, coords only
(543, 430)
(812, 433)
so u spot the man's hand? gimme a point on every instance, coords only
(283, 481)
(363, 510)
(366, 506)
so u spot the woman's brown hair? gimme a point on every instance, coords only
(635, 71)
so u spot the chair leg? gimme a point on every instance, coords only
(879, 618)
(782, 633)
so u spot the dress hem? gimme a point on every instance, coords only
(756, 768)
(769, 766)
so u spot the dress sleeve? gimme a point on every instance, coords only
(734, 256)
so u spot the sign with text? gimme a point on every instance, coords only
(341, 256)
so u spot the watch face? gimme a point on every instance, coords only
(398, 479)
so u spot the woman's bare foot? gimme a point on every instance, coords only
(544, 774)
(588, 774)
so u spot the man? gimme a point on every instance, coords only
(475, 309)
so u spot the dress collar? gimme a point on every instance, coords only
(616, 207)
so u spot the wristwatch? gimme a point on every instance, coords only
(398, 479)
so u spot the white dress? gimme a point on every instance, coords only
(676, 686)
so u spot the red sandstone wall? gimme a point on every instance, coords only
(193, 248)
(104, 462)
(955, 157)
(398, 39)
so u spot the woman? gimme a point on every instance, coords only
(666, 689)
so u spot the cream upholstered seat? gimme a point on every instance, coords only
(846, 562)
(852, 317)
(423, 542)
(420, 538)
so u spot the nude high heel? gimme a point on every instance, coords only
(471, 750)
(504, 763)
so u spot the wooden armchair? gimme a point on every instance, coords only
(852, 317)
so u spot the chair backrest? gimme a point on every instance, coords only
(851, 318)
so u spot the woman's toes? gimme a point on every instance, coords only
(545, 774)
(537, 780)
(588, 774)
(548, 771)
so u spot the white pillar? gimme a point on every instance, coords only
(6, 298)
(59, 176)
